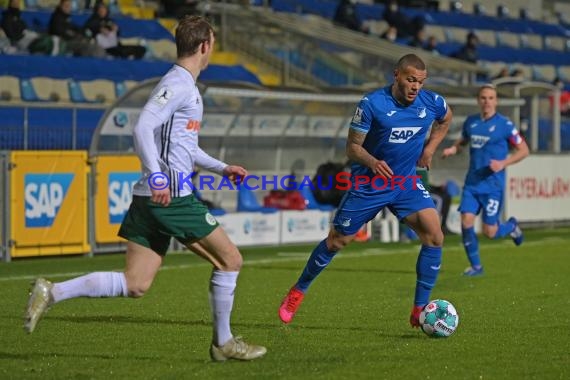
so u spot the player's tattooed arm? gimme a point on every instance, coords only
(356, 152)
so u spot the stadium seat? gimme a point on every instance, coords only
(487, 37)
(555, 43)
(311, 202)
(508, 39)
(120, 89)
(100, 90)
(436, 31)
(564, 72)
(76, 93)
(28, 92)
(545, 73)
(10, 90)
(532, 41)
(247, 202)
(456, 34)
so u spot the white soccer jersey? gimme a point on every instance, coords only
(166, 135)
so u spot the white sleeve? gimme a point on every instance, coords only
(204, 160)
(143, 135)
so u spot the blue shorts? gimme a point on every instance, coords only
(358, 208)
(491, 204)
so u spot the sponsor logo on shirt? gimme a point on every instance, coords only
(403, 134)
(478, 141)
(193, 126)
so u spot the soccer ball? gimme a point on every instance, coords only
(439, 319)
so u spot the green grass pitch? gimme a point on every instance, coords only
(514, 321)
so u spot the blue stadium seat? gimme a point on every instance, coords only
(311, 202)
(76, 92)
(247, 202)
(28, 92)
(120, 89)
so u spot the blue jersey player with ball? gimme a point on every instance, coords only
(387, 139)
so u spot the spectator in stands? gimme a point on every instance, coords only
(406, 27)
(179, 8)
(431, 45)
(345, 15)
(504, 73)
(15, 28)
(468, 52)
(518, 74)
(106, 33)
(390, 34)
(564, 97)
(23, 39)
(60, 24)
(419, 39)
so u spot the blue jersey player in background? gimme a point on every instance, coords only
(387, 139)
(489, 135)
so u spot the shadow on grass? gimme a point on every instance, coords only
(236, 325)
(340, 270)
(127, 319)
(82, 355)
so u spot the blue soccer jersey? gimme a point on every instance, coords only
(488, 140)
(395, 133)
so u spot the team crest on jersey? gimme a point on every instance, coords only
(422, 112)
(210, 219)
(478, 141)
(162, 96)
(403, 134)
(357, 118)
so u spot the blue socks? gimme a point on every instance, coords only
(320, 258)
(471, 245)
(504, 229)
(427, 269)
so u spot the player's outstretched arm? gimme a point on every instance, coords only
(454, 149)
(235, 173)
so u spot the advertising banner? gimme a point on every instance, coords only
(251, 228)
(48, 203)
(304, 226)
(114, 179)
(538, 188)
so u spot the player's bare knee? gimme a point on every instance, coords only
(137, 290)
(338, 242)
(433, 239)
(231, 262)
(490, 232)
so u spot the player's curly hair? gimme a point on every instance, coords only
(190, 33)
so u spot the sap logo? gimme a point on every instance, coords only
(44, 194)
(478, 142)
(120, 193)
(401, 135)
